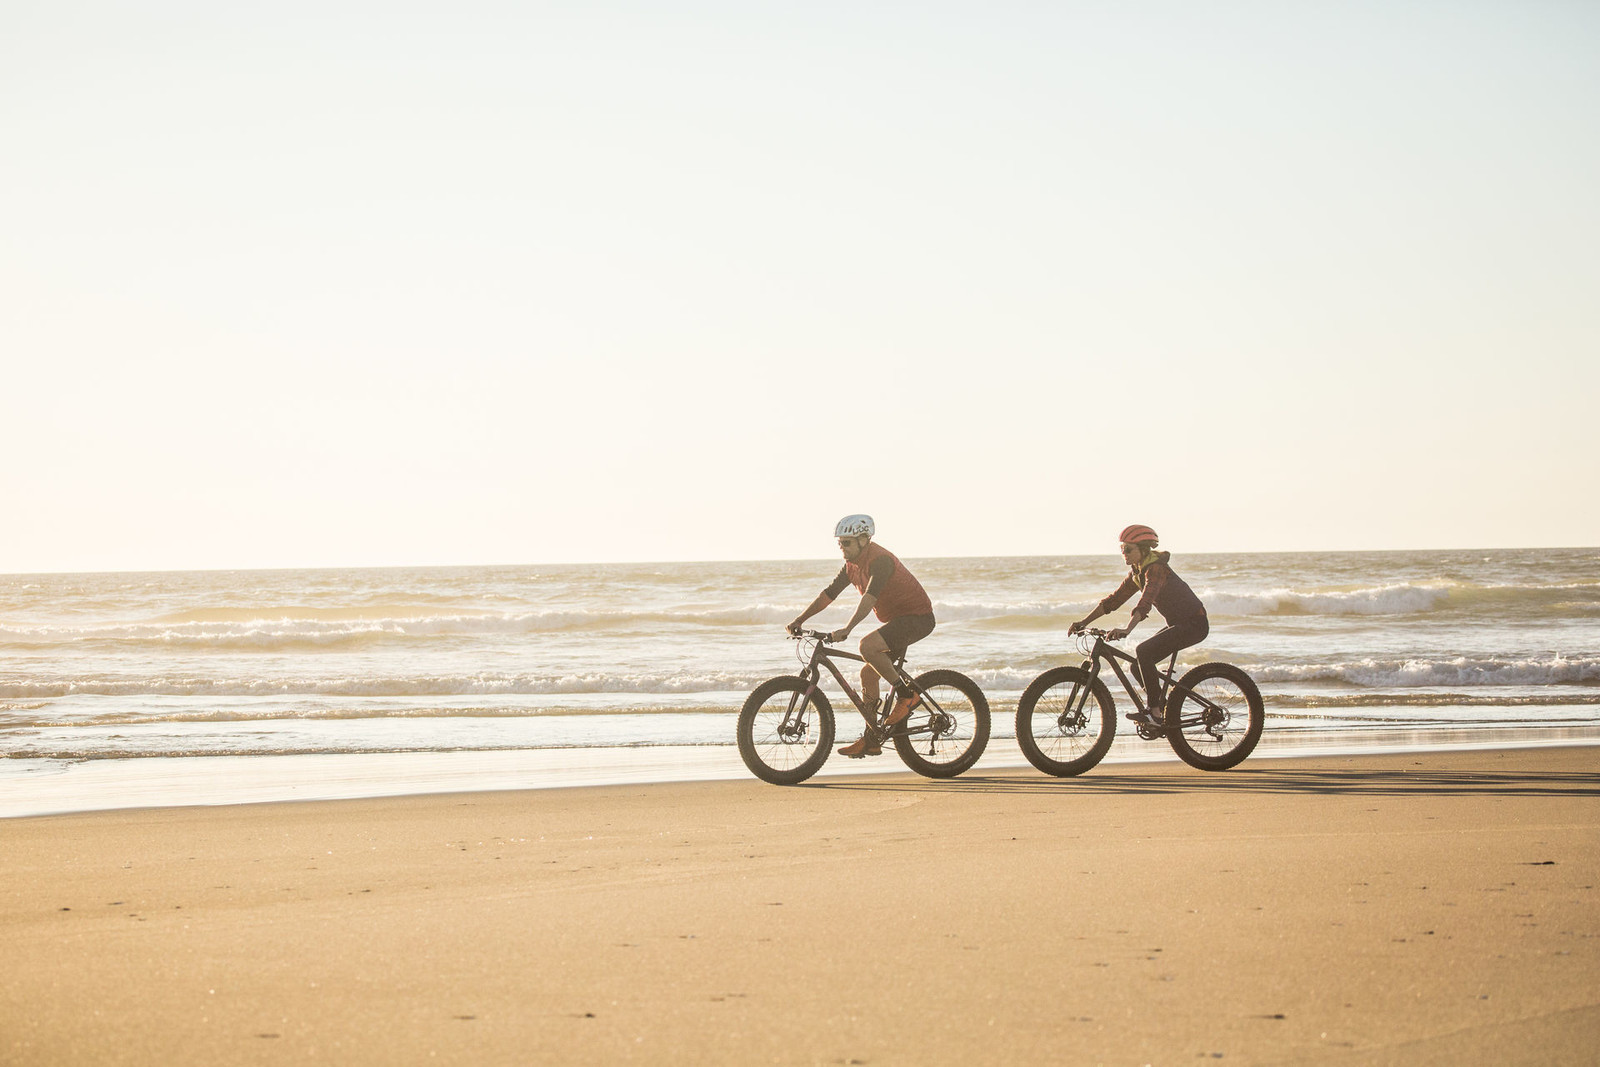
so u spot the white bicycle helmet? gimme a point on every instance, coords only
(854, 526)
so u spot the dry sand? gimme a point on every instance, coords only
(1438, 908)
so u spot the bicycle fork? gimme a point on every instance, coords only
(796, 723)
(1072, 718)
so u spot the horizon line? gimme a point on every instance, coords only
(793, 559)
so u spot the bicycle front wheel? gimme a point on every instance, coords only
(1065, 721)
(948, 730)
(785, 732)
(1214, 716)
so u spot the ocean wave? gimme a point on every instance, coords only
(266, 632)
(1432, 699)
(1383, 600)
(244, 630)
(1404, 598)
(665, 683)
(485, 684)
(1459, 671)
(1278, 704)
(1399, 598)
(290, 628)
(89, 752)
(1368, 674)
(361, 712)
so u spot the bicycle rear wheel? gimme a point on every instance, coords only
(1214, 716)
(784, 734)
(947, 732)
(1066, 721)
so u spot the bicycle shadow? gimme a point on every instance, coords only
(1248, 781)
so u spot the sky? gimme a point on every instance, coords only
(353, 283)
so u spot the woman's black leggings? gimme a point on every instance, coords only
(1150, 653)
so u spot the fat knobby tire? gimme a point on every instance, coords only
(1063, 680)
(750, 747)
(1231, 675)
(906, 745)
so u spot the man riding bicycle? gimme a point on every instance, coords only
(888, 589)
(1187, 625)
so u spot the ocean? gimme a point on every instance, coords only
(129, 688)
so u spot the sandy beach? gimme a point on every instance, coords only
(1402, 908)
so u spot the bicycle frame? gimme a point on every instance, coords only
(823, 656)
(1111, 654)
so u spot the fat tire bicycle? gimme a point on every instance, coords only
(1066, 719)
(786, 726)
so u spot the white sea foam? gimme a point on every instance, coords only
(355, 712)
(1399, 599)
(1405, 598)
(1457, 671)
(293, 628)
(1366, 674)
(483, 684)
(268, 632)
(1439, 698)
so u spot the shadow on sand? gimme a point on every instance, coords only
(1393, 782)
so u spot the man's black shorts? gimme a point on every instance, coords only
(900, 633)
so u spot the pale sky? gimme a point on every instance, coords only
(348, 283)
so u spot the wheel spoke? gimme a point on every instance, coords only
(1217, 715)
(1064, 722)
(784, 731)
(947, 731)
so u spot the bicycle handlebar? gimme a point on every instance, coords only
(825, 637)
(1090, 634)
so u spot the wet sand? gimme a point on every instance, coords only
(55, 787)
(1401, 908)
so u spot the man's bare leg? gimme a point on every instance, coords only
(876, 652)
(869, 691)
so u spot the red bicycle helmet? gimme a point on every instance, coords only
(1139, 535)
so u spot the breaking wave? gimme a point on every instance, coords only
(265, 632)
(1405, 599)
(486, 684)
(292, 628)
(1433, 699)
(1460, 671)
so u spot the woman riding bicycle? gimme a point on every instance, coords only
(1187, 625)
(894, 594)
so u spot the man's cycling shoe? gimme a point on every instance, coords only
(1145, 718)
(867, 745)
(902, 708)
